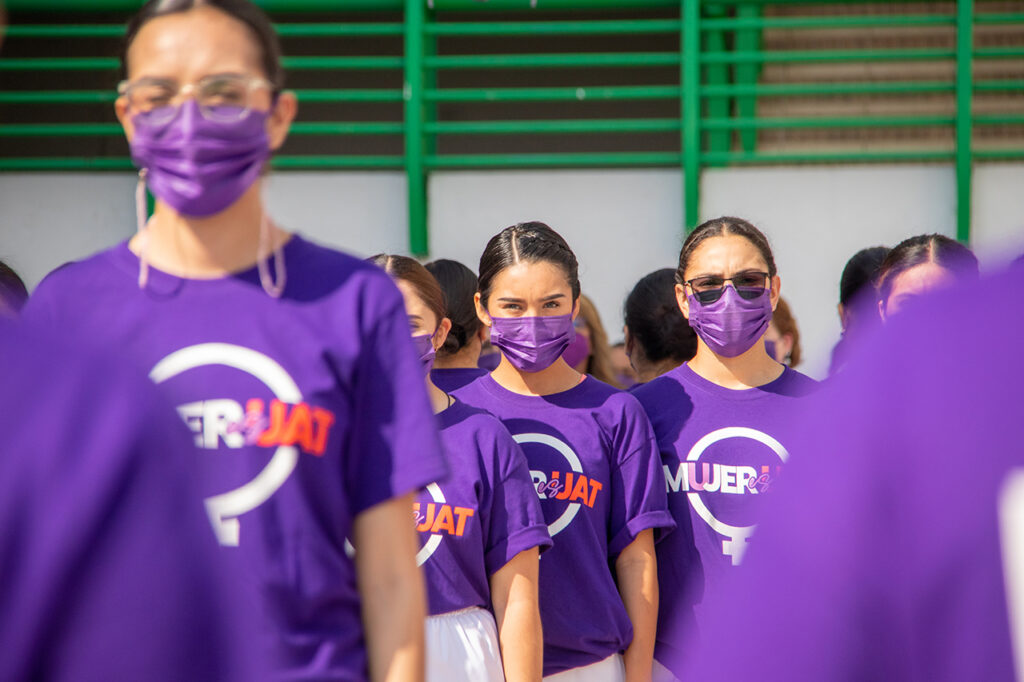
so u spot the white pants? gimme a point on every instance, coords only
(462, 646)
(611, 669)
(662, 674)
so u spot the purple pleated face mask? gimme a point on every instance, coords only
(424, 344)
(532, 344)
(197, 166)
(731, 325)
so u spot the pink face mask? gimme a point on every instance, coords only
(424, 344)
(532, 344)
(731, 325)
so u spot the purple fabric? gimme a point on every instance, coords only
(532, 344)
(731, 325)
(595, 467)
(197, 166)
(578, 350)
(721, 451)
(424, 345)
(480, 517)
(452, 379)
(489, 361)
(307, 410)
(881, 557)
(109, 568)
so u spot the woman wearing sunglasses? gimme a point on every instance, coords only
(290, 363)
(721, 421)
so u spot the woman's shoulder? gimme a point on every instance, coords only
(797, 384)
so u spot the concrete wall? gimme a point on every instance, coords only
(621, 223)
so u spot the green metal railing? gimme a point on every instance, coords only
(715, 48)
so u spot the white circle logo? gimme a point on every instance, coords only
(736, 536)
(224, 508)
(574, 463)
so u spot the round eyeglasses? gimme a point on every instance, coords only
(225, 97)
(749, 284)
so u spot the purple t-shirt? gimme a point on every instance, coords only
(480, 517)
(109, 570)
(452, 379)
(595, 467)
(307, 410)
(882, 555)
(721, 451)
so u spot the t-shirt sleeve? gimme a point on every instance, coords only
(393, 447)
(638, 499)
(515, 520)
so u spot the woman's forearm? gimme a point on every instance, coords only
(637, 571)
(514, 597)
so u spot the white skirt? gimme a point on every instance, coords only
(611, 669)
(462, 646)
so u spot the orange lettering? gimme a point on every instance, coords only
(594, 487)
(299, 430)
(568, 487)
(429, 520)
(323, 420)
(272, 436)
(444, 520)
(463, 513)
(580, 492)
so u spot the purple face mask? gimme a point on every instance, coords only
(731, 325)
(532, 344)
(578, 350)
(424, 344)
(197, 166)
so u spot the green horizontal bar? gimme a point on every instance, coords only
(493, 5)
(998, 119)
(106, 96)
(625, 92)
(726, 158)
(823, 122)
(374, 62)
(998, 52)
(782, 89)
(500, 61)
(58, 97)
(513, 28)
(825, 56)
(60, 64)
(998, 85)
(587, 160)
(999, 154)
(826, 22)
(124, 163)
(567, 126)
(309, 30)
(999, 18)
(300, 128)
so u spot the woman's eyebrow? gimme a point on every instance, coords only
(552, 297)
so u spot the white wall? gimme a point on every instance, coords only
(621, 223)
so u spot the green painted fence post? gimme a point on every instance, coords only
(717, 75)
(412, 93)
(690, 79)
(964, 92)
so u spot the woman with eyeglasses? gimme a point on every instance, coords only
(290, 364)
(722, 424)
(592, 458)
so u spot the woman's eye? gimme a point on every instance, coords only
(510, 306)
(552, 304)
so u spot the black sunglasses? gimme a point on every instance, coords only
(749, 284)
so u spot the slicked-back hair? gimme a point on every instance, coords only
(459, 285)
(926, 248)
(532, 242)
(409, 270)
(724, 226)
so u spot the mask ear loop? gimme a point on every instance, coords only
(140, 226)
(273, 289)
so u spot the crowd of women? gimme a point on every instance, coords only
(562, 528)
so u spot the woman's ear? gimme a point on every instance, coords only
(280, 120)
(576, 310)
(121, 110)
(481, 312)
(441, 333)
(684, 303)
(881, 310)
(776, 290)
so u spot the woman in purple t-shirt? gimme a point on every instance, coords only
(592, 459)
(299, 393)
(481, 528)
(722, 421)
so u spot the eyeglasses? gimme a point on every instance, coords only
(222, 97)
(749, 284)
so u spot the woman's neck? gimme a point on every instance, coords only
(208, 247)
(749, 370)
(554, 379)
(468, 357)
(439, 400)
